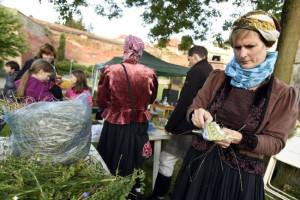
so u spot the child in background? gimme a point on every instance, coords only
(8, 94)
(11, 68)
(31, 88)
(79, 85)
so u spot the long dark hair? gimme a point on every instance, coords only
(81, 83)
(36, 66)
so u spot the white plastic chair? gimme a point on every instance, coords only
(289, 155)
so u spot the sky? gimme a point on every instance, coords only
(130, 23)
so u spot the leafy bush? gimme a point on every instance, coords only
(1, 64)
(63, 67)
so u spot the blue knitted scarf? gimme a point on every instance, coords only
(247, 78)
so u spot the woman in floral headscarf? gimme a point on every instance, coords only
(124, 144)
(251, 105)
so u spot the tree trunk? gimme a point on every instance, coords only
(288, 40)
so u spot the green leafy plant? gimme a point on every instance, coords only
(26, 179)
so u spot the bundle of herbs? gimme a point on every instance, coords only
(10, 106)
(22, 178)
(59, 130)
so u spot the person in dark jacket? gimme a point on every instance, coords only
(46, 52)
(8, 94)
(177, 124)
(12, 68)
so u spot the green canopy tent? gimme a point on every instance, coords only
(161, 67)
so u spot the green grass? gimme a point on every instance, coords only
(148, 168)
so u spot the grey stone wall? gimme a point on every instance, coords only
(32, 26)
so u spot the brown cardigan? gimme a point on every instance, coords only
(279, 120)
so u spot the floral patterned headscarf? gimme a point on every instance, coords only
(133, 49)
(264, 23)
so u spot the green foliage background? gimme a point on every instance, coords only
(61, 48)
(63, 67)
(12, 40)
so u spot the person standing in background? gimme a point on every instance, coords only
(177, 124)
(46, 52)
(125, 90)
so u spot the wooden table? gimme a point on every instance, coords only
(164, 108)
(157, 136)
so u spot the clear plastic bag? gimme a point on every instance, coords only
(52, 131)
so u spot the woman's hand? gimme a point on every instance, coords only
(168, 133)
(226, 143)
(223, 143)
(201, 117)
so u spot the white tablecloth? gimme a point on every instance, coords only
(96, 132)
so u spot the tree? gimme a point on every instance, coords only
(272, 6)
(61, 48)
(172, 17)
(12, 41)
(169, 17)
(70, 22)
(288, 40)
(186, 43)
(67, 8)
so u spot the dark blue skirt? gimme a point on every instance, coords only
(124, 147)
(209, 178)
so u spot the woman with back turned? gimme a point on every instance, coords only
(125, 90)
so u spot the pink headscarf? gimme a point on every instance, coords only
(133, 49)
